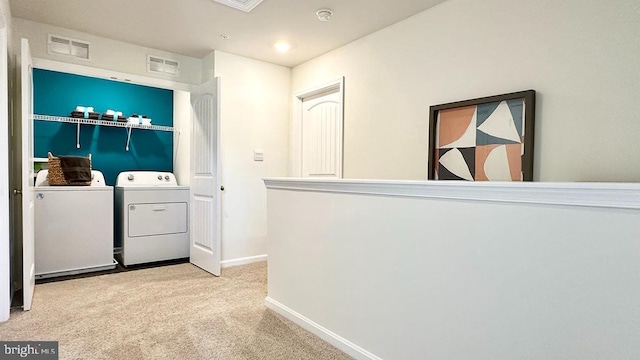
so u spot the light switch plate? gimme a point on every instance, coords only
(258, 155)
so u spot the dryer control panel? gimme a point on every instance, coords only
(146, 178)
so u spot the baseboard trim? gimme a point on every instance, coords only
(322, 332)
(243, 261)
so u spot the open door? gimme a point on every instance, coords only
(205, 177)
(28, 243)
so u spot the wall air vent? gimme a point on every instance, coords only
(157, 64)
(66, 46)
(244, 5)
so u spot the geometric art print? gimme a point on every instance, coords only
(481, 142)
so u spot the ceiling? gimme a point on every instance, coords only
(194, 27)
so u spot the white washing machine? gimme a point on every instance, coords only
(73, 227)
(152, 217)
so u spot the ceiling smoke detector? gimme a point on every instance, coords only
(324, 14)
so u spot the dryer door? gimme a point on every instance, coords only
(157, 218)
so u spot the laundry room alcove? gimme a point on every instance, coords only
(58, 93)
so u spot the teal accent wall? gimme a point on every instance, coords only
(57, 93)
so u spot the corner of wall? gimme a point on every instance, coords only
(208, 67)
(254, 114)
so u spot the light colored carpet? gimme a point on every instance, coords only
(170, 312)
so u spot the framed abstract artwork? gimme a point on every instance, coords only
(485, 139)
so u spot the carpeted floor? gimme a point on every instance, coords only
(169, 312)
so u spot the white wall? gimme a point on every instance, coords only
(105, 53)
(5, 65)
(254, 115)
(208, 67)
(182, 142)
(431, 270)
(581, 56)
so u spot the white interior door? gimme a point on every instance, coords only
(28, 245)
(318, 131)
(205, 179)
(320, 135)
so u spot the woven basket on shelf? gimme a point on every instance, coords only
(56, 176)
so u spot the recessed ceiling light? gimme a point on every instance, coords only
(282, 46)
(324, 14)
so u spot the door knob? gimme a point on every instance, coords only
(17, 192)
(222, 188)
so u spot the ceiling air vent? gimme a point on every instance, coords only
(66, 46)
(157, 64)
(244, 5)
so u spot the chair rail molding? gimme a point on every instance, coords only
(589, 194)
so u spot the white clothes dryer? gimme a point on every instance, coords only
(73, 227)
(152, 217)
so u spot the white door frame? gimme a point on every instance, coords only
(26, 136)
(296, 142)
(5, 269)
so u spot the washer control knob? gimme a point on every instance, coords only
(130, 177)
(166, 177)
(159, 177)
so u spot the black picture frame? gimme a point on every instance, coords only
(528, 97)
